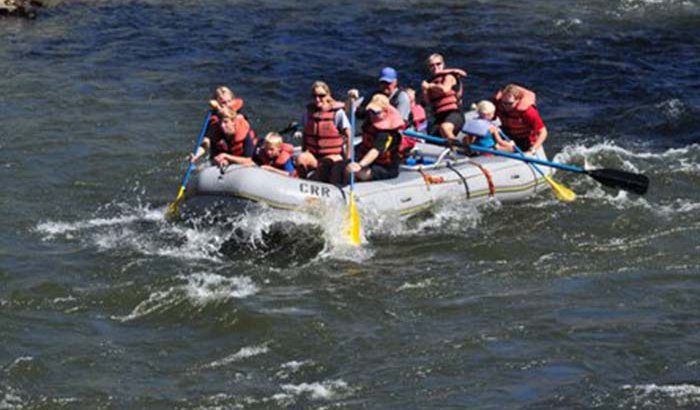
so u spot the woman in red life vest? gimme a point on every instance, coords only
(520, 120)
(275, 155)
(381, 138)
(232, 140)
(444, 94)
(223, 97)
(326, 137)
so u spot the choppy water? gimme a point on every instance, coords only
(104, 304)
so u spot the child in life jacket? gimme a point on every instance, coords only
(483, 130)
(418, 118)
(275, 155)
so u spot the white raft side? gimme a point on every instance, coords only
(462, 179)
(258, 185)
(415, 189)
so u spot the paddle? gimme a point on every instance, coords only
(562, 193)
(614, 178)
(173, 207)
(352, 219)
(293, 126)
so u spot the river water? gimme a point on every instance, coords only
(106, 305)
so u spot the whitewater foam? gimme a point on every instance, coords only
(199, 289)
(683, 394)
(325, 390)
(243, 353)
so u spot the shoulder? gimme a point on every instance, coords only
(240, 120)
(531, 112)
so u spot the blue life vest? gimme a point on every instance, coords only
(480, 129)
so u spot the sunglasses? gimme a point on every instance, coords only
(320, 95)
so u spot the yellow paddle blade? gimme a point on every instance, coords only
(173, 208)
(562, 193)
(352, 223)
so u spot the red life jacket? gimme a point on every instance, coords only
(512, 121)
(321, 137)
(391, 123)
(286, 152)
(452, 100)
(234, 145)
(417, 115)
(236, 104)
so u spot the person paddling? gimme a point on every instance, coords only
(275, 155)
(230, 140)
(520, 120)
(381, 138)
(326, 137)
(444, 95)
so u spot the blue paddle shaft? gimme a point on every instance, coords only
(500, 153)
(205, 125)
(517, 148)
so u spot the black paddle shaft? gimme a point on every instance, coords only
(616, 178)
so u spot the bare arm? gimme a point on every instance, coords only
(275, 170)
(200, 150)
(540, 139)
(224, 159)
(369, 158)
(444, 88)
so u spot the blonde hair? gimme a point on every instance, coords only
(273, 139)
(411, 93)
(434, 56)
(226, 112)
(223, 91)
(484, 107)
(326, 89)
(379, 102)
(514, 90)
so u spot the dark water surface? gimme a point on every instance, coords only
(104, 304)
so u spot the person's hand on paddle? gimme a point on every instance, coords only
(353, 167)
(192, 157)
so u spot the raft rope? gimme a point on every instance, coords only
(464, 180)
(426, 177)
(487, 174)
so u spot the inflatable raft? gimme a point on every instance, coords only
(432, 174)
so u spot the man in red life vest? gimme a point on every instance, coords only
(444, 94)
(275, 155)
(520, 120)
(381, 138)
